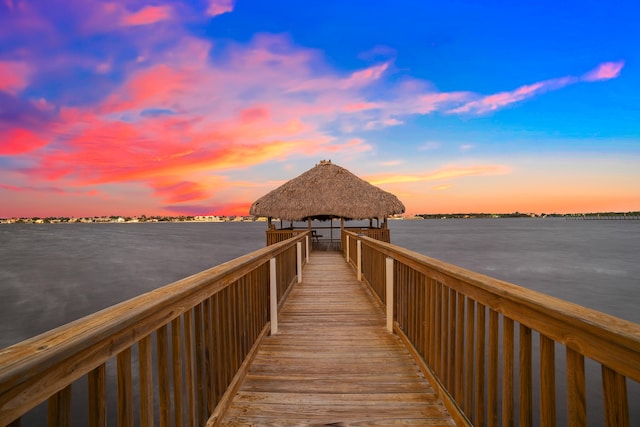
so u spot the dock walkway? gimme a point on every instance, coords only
(333, 361)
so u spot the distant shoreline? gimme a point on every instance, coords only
(116, 219)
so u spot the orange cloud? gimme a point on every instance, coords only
(604, 71)
(446, 173)
(147, 15)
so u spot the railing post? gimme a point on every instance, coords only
(347, 244)
(273, 293)
(299, 261)
(306, 238)
(359, 254)
(389, 296)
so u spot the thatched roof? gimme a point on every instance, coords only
(327, 190)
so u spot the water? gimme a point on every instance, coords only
(592, 263)
(51, 274)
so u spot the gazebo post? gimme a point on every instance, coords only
(330, 233)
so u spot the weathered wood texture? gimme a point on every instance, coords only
(475, 333)
(333, 362)
(204, 327)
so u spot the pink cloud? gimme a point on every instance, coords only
(147, 15)
(365, 77)
(218, 7)
(182, 191)
(181, 112)
(604, 71)
(13, 76)
(503, 99)
(19, 141)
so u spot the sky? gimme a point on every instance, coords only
(201, 107)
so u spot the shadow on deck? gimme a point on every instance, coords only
(333, 362)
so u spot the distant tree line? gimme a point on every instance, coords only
(526, 215)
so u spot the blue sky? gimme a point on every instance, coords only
(201, 107)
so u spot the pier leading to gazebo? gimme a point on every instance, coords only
(322, 196)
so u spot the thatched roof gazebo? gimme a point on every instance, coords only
(325, 192)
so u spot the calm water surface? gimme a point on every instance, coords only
(51, 274)
(592, 263)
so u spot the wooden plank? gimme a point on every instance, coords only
(145, 363)
(492, 371)
(164, 387)
(189, 368)
(176, 359)
(59, 411)
(333, 361)
(97, 397)
(614, 389)
(547, 382)
(526, 386)
(508, 356)
(576, 389)
(125, 389)
(478, 419)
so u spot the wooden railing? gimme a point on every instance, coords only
(382, 234)
(173, 355)
(280, 235)
(323, 241)
(474, 338)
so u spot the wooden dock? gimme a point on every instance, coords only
(333, 362)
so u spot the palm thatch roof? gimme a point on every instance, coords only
(325, 191)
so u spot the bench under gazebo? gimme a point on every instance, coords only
(326, 192)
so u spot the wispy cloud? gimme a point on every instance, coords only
(604, 71)
(147, 15)
(485, 104)
(13, 76)
(429, 146)
(466, 147)
(390, 163)
(445, 173)
(218, 7)
(500, 100)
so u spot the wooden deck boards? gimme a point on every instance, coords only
(333, 362)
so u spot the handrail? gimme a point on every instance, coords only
(441, 310)
(201, 310)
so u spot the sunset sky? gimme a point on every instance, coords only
(200, 107)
